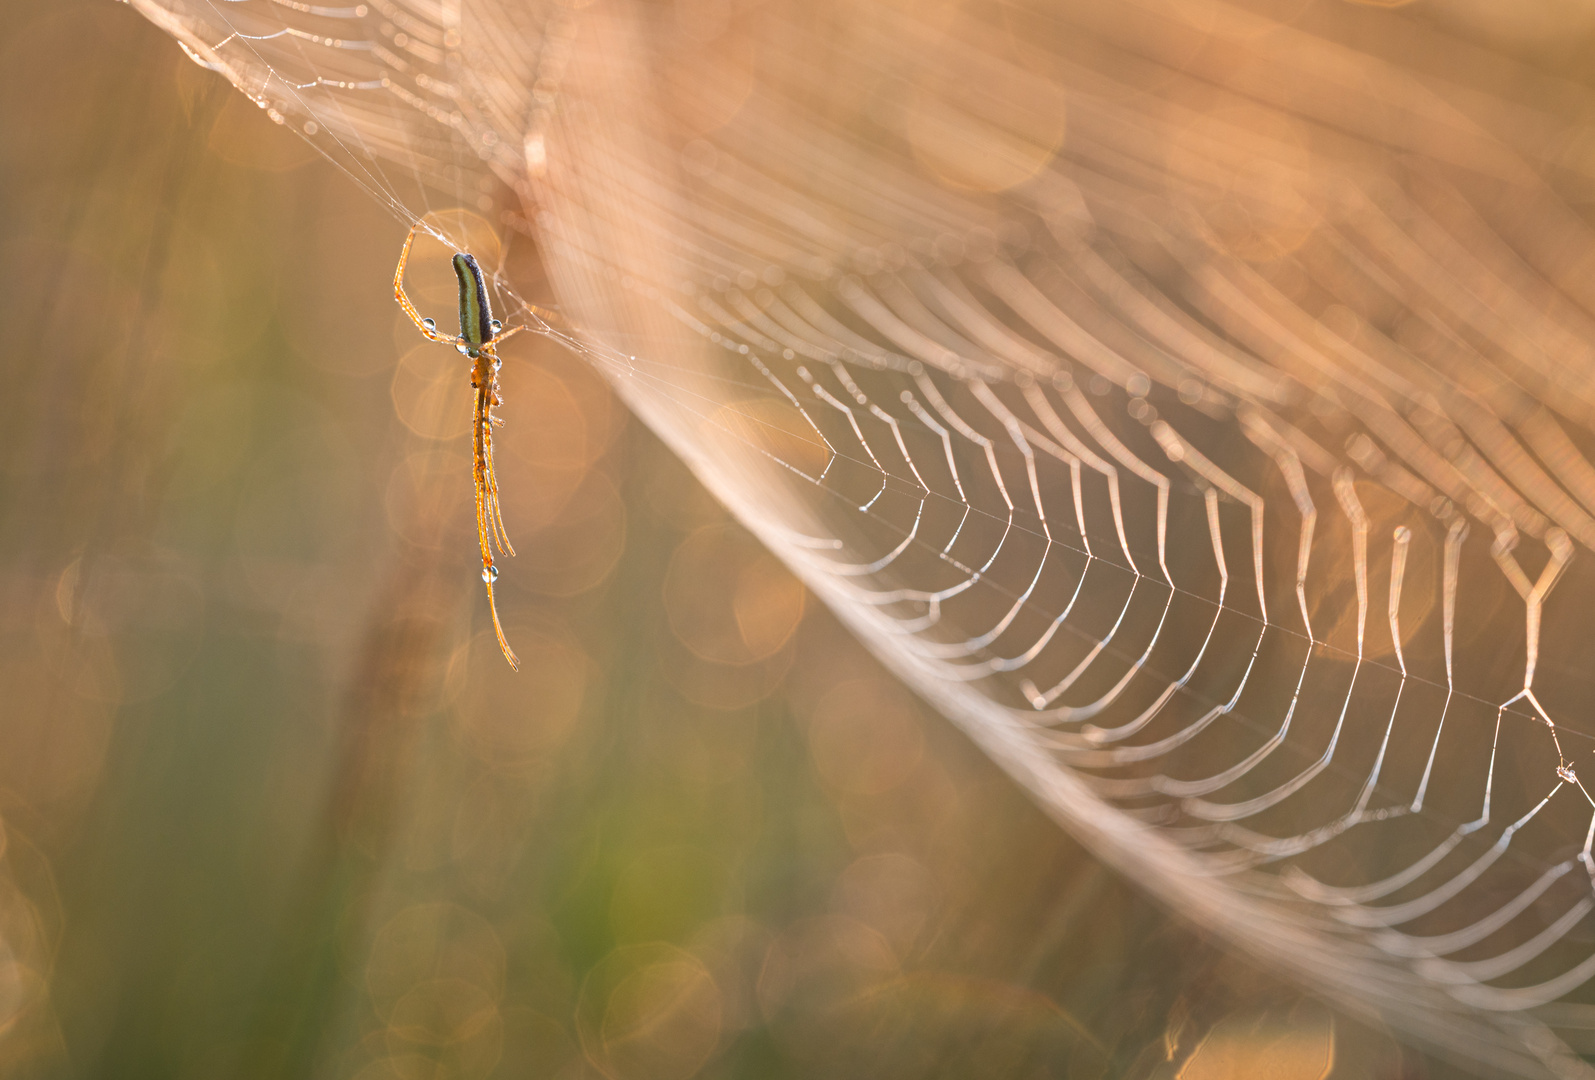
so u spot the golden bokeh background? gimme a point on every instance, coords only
(271, 803)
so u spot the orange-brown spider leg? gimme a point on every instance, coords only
(500, 534)
(486, 507)
(491, 351)
(495, 510)
(421, 324)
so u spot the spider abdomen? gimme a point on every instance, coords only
(476, 316)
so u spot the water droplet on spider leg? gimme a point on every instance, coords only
(430, 324)
(497, 326)
(490, 573)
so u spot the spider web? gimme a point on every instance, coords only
(1194, 407)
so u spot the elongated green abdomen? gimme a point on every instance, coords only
(476, 317)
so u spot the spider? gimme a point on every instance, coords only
(479, 338)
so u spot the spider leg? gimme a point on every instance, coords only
(479, 473)
(504, 646)
(496, 513)
(487, 515)
(486, 375)
(507, 333)
(431, 332)
(499, 532)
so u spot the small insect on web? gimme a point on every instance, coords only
(479, 337)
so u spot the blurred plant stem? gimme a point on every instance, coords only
(306, 1000)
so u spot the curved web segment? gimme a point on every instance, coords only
(1218, 466)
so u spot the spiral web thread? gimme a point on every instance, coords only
(1220, 465)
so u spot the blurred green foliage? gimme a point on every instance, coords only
(273, 805)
